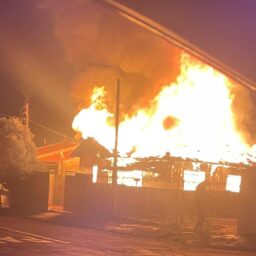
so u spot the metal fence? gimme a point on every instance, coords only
(172, 206)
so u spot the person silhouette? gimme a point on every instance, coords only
(201, 204)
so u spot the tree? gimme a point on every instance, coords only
(17, 151)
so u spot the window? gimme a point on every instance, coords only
(94, 173)
(233, 183)
(129, 178)
(192, 179)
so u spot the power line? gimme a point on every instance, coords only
(50, 129)
(43, 126)
(100, 81)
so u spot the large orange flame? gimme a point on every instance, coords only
(189, 118)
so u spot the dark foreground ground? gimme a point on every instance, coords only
(37, 236)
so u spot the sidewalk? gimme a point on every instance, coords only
(146, 229)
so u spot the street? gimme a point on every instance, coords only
(23, 236)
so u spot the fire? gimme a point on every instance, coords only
(191, 117)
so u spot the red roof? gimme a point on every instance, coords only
(56, 152)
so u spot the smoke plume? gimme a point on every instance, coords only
(244, 111)
(104, 47)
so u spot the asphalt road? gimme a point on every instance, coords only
(28, 237)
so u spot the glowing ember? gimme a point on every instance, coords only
(189, 118)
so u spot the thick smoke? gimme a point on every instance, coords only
(244, 111)
(104, 47)
(53, 49)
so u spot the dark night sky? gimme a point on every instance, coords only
(49, 50)
(49, 53)
(32, 65)
(225, 29)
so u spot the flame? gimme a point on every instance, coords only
(191, 117)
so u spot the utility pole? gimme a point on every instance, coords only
(26, 113)
(115, 166)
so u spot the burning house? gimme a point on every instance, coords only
(186, 136)
(189, 125)
(191, 118)
(189, 130)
